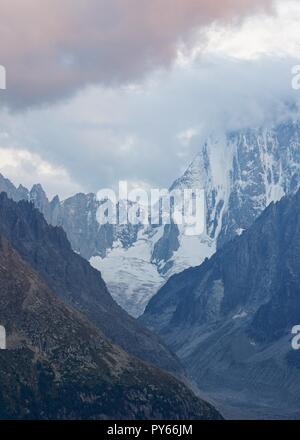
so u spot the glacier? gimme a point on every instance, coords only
(242, 172)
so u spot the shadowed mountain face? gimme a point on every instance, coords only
(230, 319)
(48, 251)
(59, 366)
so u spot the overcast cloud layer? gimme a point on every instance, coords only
(148, 134)
(52, 48)
(138, 120)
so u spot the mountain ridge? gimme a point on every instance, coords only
(242, 172)
(57, 365)
(230, 319)
(47, 250)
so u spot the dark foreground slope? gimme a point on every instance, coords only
(58, 365)
(230, 319)
(48, 251)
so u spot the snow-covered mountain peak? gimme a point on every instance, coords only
(241, 172)
(197, 174)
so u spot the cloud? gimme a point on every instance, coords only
(258, 35)
(147, 130)
(52, 49)
(26, 168)
(150, 132)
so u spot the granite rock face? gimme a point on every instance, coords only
(242, 173)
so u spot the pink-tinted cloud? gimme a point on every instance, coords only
(52, 48)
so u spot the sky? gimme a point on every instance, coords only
(99, 92)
